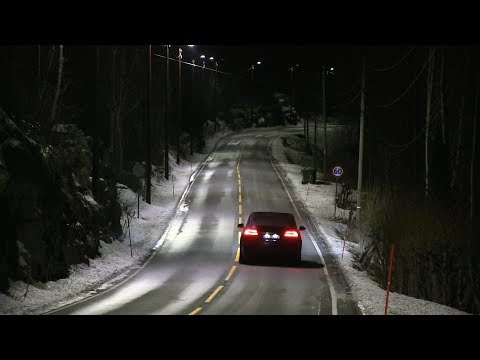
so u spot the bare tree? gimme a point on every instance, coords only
(59, 83)
(120, 80)
(472, 163)
(442, 97)
(427, 119)
(43, 82)
(456, 159)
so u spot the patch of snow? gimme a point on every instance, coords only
(318, 201)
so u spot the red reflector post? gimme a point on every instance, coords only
(291, 233)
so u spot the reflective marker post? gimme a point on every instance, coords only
(336, 187)
(392, 252)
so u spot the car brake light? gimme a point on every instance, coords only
(291, 233)
(250, 232)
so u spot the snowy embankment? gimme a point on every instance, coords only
(318, 200)
(117, 259)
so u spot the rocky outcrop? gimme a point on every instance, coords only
(49, 219)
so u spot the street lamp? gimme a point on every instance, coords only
(329, 71)
(291, 90)
(253, 95)
(148, 173)
(179, 103)
(192, 107)
(165, 122)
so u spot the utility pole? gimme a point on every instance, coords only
(360, 144)
(291, 95)
(192, 112)
(215, 128)
(165, 123)
(324, 124)
(148, 173)
(251, 102)
(179, 131)
(315, 142)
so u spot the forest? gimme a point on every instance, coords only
(76, 119)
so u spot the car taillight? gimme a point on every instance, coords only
(291, 234)
(250, 232)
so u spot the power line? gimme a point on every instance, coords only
(408, 88)
(352, 100)
(194, 65)
(351, 89)
(395, 65)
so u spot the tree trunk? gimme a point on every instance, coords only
(456, 160)
(442, 98)
(43, 87)
(95, 147)
(148, 173)
(427, 120)
(59, 82)
(472, 164)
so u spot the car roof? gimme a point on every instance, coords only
(272, 218)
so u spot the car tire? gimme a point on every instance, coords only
(242, 257)
(297, 259)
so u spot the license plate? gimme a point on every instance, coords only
(268, 237)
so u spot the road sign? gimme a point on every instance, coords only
(337, 171)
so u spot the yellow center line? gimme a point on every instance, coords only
(239, 209)
(239, 236)
(195, 311)
(239, 219)
(232, 270)
(237, 257)
(217, 290)
(239, 198)
(239, 182)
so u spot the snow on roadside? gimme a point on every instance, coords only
(115, 262)
(319, 203)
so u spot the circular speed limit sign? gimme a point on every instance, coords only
(337, 171)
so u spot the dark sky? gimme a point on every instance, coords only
(277, 58)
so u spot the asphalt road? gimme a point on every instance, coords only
(196, 270)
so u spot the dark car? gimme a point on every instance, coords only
(270, 233)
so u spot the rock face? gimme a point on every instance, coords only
(49, 218)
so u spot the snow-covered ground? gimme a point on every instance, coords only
(116, 261)
(318, 200)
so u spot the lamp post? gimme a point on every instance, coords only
(165, 122)
(148, 173)
(291, 91)
(192, 108)
(203, 67)
(179, 131)
(251, 102)
(253, 95)
(324, 73)
(215, 127)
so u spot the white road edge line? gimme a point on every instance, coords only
(333, 294)
(193, 177)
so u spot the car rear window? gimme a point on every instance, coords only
(272, 219)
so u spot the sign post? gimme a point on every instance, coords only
(337, 172)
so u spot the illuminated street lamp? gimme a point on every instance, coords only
(291, 90)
